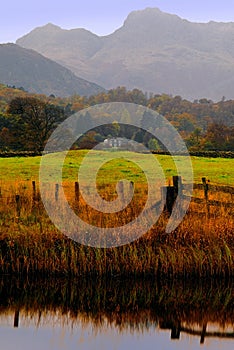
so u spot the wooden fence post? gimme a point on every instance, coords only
(131, 188)
(121, 190)
(168, 196)
(16, 319)
(177, 184)
(206, 189)
(56, 192)
(77, 192)
(170, 193)
(18, 204)
(34, 191)
(203, 333)
(77, 195)
(175, 332)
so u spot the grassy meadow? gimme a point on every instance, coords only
(30, 244)
(218, 170)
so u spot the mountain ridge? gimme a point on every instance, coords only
(37, 74)
(153, 51)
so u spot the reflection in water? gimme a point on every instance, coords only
(204, 309)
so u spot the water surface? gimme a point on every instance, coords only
(90, 314)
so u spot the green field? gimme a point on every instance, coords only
(217, 170)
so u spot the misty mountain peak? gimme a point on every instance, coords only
(152, 51)
(51, 26)
(149, 16)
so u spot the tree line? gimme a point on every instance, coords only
(26, 120)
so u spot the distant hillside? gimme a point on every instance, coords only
(153, 51)
(28, 69)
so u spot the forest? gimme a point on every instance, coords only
(27, 120)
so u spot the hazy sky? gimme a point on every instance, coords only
(18, 17)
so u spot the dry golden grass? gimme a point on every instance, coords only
(201, 246)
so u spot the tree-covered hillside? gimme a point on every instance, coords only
(203, 124)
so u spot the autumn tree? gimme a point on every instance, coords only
(220, 137)
(153, 145)
(33, 121)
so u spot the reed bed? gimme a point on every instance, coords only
(202, 246)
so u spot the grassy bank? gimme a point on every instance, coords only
(199, 247)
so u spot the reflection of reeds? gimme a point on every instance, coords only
(136, 304)
(29, 244)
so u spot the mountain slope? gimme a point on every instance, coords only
(28, 69)
(153, 51)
